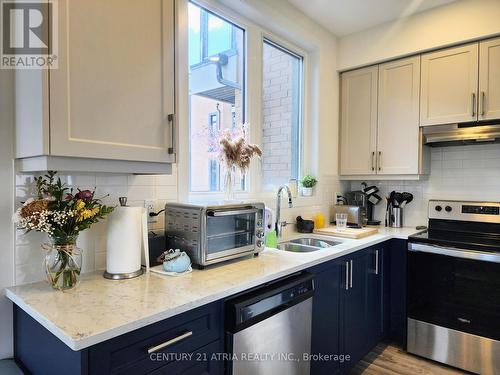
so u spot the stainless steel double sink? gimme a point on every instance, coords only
(307, 245)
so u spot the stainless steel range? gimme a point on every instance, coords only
(454, 286)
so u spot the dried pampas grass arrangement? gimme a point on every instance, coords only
(237, 152)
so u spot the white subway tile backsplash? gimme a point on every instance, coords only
(457, 173)
(140, 192)
(111, 179)
(451, 164)
(100, 261)
(82, 181)
(166, 180)
(166, 192)
(141, 180)
(110, 194)
(110, 187)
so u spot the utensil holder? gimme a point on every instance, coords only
(396, 217)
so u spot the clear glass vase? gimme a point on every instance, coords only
(229, 183)
(63, 262)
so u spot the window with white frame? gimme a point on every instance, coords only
(282, 114)
(216, 93)
(217, 73)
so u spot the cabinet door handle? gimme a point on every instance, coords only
(373, 160)
(346, 275)
(171, 120)
(379, 160)
(376, 262)
(483, 105)
(473, 104)
(350, 275)
(169, 342)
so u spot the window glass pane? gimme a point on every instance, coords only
(282, 106)
(216, 95)
(194, 34)
(219, 35)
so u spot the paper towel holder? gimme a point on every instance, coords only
(145, 248)
(123, 276)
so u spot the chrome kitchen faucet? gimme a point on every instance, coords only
(280, 224)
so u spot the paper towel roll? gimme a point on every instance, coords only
(127, 240)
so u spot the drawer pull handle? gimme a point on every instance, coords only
(350, 275)
(171, 119)
(169, 342)
(346, 275)
(473, 104)
(483, 103)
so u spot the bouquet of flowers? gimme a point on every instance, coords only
(62, 213)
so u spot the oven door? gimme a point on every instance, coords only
(455, 288)
(229, 232)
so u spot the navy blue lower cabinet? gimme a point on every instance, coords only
(376, 305)
(189, 343)
(356, 307)
(396, 269)
(363, 306)
(325, 320)
(204, 361)
(39, 352)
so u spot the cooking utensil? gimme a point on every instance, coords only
(397, 199)
(389, 200)
(407, 198)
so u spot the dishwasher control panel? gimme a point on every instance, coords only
(265, 301)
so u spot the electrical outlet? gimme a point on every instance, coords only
(149, 205)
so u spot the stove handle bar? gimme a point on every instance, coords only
(454, 252)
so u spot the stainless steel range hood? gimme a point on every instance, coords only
(460, 134)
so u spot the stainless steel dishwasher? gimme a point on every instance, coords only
(268, 330)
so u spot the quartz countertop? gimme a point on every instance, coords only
(99, 309)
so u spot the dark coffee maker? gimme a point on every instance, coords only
(365, 198)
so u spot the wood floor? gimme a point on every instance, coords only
(387, 359)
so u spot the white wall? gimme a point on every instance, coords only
(6, 207)
(461, 21)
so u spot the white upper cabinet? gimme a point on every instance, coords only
(489, 79)
(398, 145)
(114, 89)
(358, 121)
(112, 96)
(449, 82)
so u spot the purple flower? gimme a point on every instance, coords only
(85, 195)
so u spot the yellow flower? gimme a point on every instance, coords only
(87, 214)
(79, 204)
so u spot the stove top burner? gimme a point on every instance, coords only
(462, 240)
(463, 225)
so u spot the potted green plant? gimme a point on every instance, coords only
(308, 183)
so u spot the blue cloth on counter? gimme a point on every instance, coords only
(177, 262)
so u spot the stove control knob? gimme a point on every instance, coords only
(438, 208)
(448, 209)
